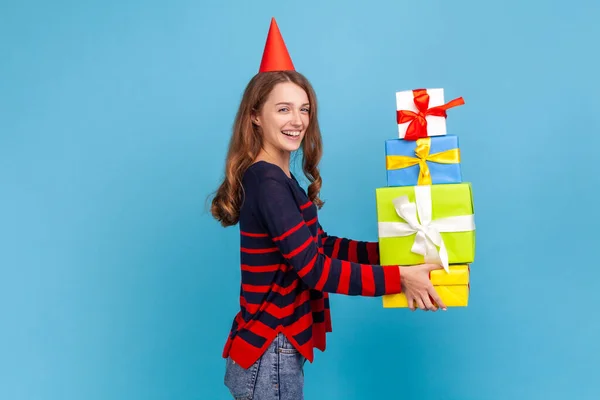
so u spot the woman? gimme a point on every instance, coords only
(288, 263)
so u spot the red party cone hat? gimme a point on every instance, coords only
(275, 56)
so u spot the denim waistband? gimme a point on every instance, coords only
(280, 342)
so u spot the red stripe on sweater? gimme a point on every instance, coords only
(352, 251)
(273, 287)
(286, 290)
(393, 279)
(255, 288)
(239, 320)
(262, 268)
(305, 205)
(300, 325)
(299, 249)
(250, 234)
(368, 281)
(308, 267)
(344, 284)
(318, 336)
(336, 248)
(259, 251)
(251, 308)
(244, 353)
(324, 275)
(317, 305)
(372, 252)
(260, 329)
(312, 221)
(288, 232)
(284, 312)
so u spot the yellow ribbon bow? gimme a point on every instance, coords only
(451, 156)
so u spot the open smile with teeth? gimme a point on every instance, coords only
(291, 133)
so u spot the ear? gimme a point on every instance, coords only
(255, 119)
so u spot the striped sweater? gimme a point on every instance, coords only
(289, 265)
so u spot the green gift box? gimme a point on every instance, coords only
(428, 223)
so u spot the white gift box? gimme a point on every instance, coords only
(405, 100)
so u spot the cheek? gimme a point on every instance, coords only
(305, 120)
(273, 127)
(277, 123)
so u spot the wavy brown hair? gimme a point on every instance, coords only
(247, 141)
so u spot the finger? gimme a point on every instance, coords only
(432, 267)
(411, 303)
(420, 303)
(428, 303)
(436, 298)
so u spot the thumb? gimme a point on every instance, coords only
(431, 267)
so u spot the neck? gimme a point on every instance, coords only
(281, 159)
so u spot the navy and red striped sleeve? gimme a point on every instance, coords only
(348, 249)
(281, 217)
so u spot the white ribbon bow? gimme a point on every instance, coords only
(418, 220)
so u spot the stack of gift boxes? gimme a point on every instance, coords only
(425, 213)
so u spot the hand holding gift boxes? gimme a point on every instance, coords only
(452, 287)
(425, 214)
(427, 224)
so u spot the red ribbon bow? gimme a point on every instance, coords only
(418, 124)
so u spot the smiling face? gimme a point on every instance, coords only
(283, 119)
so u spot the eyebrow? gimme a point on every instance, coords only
(289, 104)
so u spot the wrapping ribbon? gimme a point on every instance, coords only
(418, 123)
(451, 156)
(428, 232)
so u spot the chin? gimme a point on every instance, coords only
(291, 146)
(294, 148)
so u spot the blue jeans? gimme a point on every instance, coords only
(277, 375)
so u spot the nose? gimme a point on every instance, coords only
(296, 120)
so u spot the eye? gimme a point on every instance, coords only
(306, 109)
(283, 109)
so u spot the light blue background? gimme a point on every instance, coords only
(115, 282)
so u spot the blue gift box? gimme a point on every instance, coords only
(405, 165)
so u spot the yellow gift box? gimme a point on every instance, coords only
(452, 296)
(458, 275)
(452, 287)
